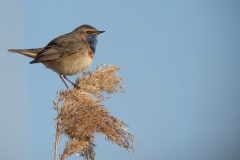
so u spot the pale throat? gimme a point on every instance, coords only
(92, 40)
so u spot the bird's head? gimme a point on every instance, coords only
(87, 30)
(89, 33)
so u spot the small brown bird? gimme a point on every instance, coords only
(68, 54)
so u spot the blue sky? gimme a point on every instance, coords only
(179, 60)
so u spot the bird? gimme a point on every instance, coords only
(68, 54)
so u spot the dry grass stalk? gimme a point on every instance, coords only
(81, 114)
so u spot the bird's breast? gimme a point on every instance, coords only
(91, 54)
(73, 64)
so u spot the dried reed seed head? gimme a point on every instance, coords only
(81, 115)
(84, 147)
(103, 79)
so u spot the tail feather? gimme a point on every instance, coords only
(32, 53)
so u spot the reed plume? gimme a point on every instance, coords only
(81, 114)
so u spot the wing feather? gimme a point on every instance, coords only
(59, 47)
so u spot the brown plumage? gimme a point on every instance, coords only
(68, 54)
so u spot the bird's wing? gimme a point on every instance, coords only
(59, 47)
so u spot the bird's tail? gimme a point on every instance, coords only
(32, 53)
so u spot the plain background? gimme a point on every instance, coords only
(179, 60)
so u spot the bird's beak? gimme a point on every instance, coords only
(99, 32)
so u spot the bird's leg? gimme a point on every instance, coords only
(62, 78)
(74, 84)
